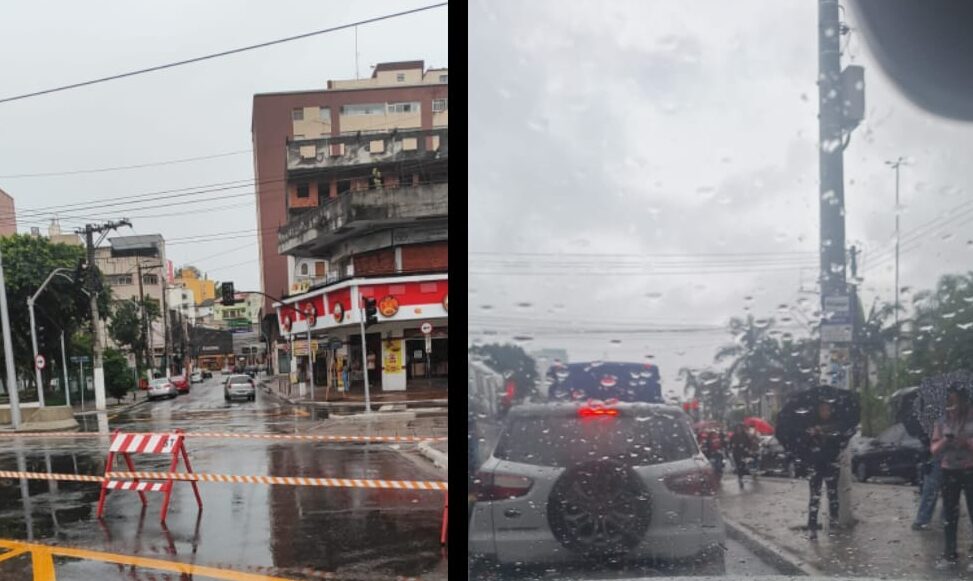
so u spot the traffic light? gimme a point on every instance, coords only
(371, 312)
(226, 290)
(81, 272)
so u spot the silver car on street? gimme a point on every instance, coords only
(239, 387)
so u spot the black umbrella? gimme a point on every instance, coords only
(801, 413)
(930, 405)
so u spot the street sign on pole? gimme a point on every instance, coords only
(39, 362)
(426, 328)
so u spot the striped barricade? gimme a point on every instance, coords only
(127, 444)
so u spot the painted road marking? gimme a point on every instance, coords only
(43, 562)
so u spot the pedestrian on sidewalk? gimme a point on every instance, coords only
(741, 447)
(952, 438)
(826, 443)
(932, 480)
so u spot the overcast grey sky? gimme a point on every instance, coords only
(688, 128)
(192, 111)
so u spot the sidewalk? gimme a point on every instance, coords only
(112, 405)
(881, 544)
(355, 402)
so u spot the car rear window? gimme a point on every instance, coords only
(234, 380)
(567, 441)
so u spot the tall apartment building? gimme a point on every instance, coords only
(8, 215)
(352, 202)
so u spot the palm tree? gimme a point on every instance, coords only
(874, 333)
(754, 357)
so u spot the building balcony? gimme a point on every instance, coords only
(309, 156)
(402, 215)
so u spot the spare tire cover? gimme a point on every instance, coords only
(599, 508)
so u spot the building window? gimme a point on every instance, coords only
(303, 191)
(363, 109)
(297, 115)
(403, 107)
(298, 136)
(400, 77)
(120, 280)
(324, 114)
(443, 78)
(150, 279)
(319, 269)
(304, 269)
(439, 105)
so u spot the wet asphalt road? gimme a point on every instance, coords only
(287, 531)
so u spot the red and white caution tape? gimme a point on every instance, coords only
(51, 476)
(234, 478)
(296, 437)
(286, 480)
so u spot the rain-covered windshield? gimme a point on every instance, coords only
(755, 218)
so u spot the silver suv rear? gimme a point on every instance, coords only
(591, 483)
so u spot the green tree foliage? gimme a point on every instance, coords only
(128, 327)
(942, 329)
(118, 375)
(513, 362)
(27, 261)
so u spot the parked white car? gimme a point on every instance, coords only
(196, 377)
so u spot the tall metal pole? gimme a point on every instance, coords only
(364, 354)
(168, 332)
(64, 370)
(8, 353)
(146, 333)
(33, 342)
(895, 369)
(310, 360)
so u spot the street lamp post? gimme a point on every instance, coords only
(895, 370)
(33, 329)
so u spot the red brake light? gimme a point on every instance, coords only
(489, 487)
(589, 412)
(699, 482)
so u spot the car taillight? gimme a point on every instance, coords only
(594, 412)
(699, 482)
(500, 486)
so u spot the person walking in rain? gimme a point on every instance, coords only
(931, 483)
(741, 447)
(826, 442)
(952, 438)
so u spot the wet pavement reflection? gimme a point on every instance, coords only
(287, 531)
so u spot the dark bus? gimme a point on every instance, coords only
(629, 382)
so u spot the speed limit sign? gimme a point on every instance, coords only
(39, 362)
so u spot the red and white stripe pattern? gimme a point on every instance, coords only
(288, 480)
(144, 443)
(294, 437)
(140, 486)
(233, 478)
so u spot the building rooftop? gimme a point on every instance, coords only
(398, 66)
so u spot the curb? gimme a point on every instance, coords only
(116, 410)
(393, 411)
(783, 560)
(440, 459)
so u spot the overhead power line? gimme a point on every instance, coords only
(123, 167)
(220, 54)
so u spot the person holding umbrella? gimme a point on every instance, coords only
(952, 437)
(826, 440)
(742, 448)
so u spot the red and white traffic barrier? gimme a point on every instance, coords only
(127, 444)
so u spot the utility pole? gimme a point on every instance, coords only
(895, 369)
(8, 354)
(99, 369)
(841, 108)
(166, 328)
(143, 328)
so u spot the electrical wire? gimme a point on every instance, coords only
(219, 54)
(123, 167)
